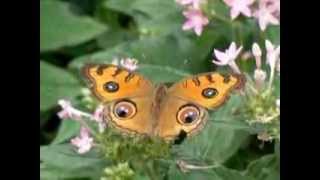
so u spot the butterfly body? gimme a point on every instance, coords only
(133, 105)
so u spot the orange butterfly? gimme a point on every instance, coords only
(136, 106)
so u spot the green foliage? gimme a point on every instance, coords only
(60, 26)
(265, 168)
(73, 33)
(120, 148)
(67, 130)
(219, 173)
(56, 83)
(62, 162)
(215, 144)
(120, 172)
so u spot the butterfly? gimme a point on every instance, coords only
(134, 105)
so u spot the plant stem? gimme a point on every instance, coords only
(271, 78)
(150, 171)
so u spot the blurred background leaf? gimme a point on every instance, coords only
(60, 27)
(56, 83)
(62, 162)
(176, 50)
(265, 168)
(219, 173)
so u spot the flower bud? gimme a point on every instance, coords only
(256, 51)
(259, 77)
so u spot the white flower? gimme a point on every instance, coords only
(129, 63)
(273, 54)
(228, 57)
(259, 77)
(256, 51)
(98, 117)
(68, 111)
(239, 7)
(83, 142)
(195, 20)
(268, 13)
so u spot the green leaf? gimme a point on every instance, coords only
(61, 161)
(179, 51)
(60, 27)
(215, 143)
(152, 16)
(161, 74)
(235, 125)
(265, 168)
(68, 129)
(115, 36)
(56, 83)
(273, 34)
(219, 173)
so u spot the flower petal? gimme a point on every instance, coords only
(234, 13)
(269, 45)
(237, 52)
(256, 50)
(198, 30)
(222, 57)
(246, 11)
(187, 25)
(218, 63)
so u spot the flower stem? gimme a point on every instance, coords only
(84, 124)
(271, 78)
(184, 166)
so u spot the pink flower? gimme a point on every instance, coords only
(68, 111)
(256, 51)
(272, 5)
(129, 63)
(194, 3)
(83, 142)
(268, 13)
(259, 77)
(239, 7)
(273, 54)
(98, 117)
(228, 57)
(195, 20)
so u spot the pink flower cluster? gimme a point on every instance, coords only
(83, 142)
(265, 11)
(229, 56)
(195, 18)
(272, 59)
